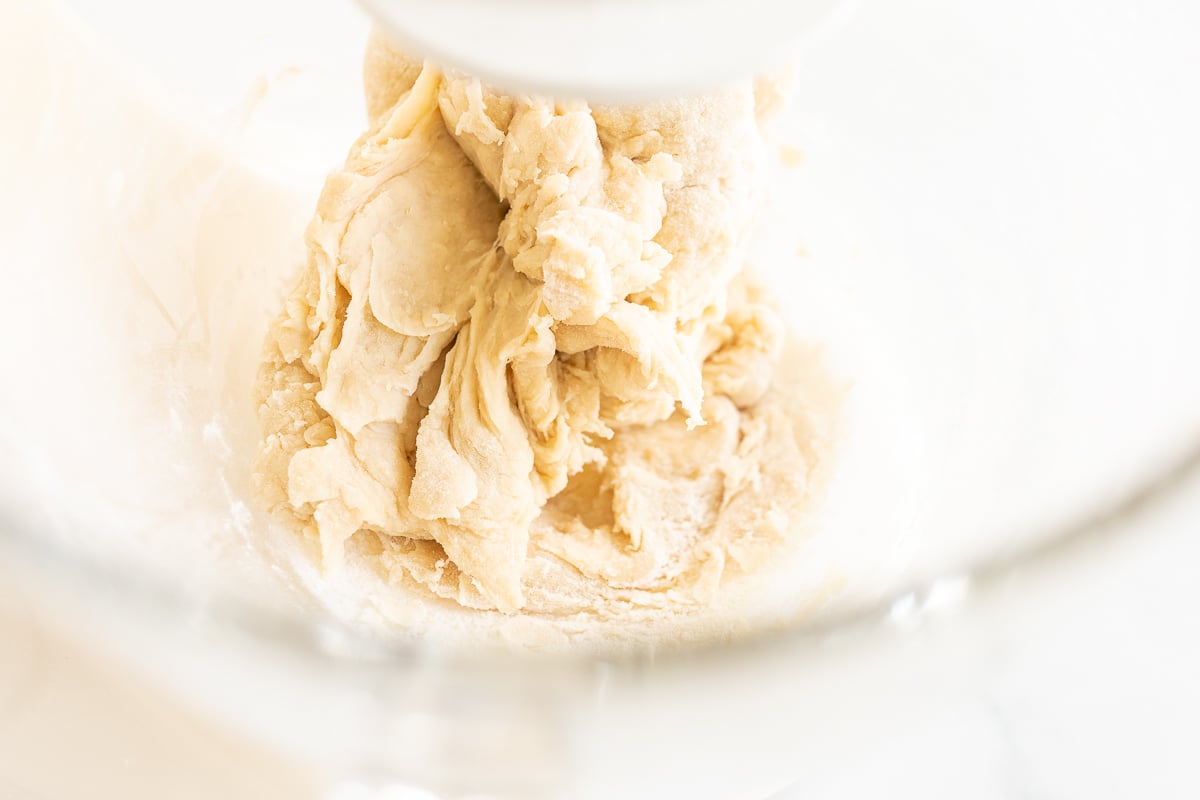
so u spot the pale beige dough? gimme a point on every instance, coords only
(522, 367)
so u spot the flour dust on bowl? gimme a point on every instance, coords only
(548, 400)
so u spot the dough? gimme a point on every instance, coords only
(523, 368)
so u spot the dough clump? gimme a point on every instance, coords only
(523, 368)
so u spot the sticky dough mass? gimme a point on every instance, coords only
(523, 368)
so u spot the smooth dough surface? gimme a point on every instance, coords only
(523, 369)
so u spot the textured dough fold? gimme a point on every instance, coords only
(522, 357)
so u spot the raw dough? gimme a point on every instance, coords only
(522, 368)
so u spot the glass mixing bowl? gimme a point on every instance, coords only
(991, 213)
